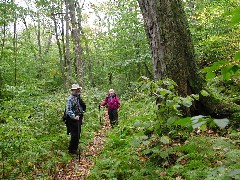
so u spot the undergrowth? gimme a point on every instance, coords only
(145, 146)
(33, 138)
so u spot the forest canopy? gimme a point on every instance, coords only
(174, 65)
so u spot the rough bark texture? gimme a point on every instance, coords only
(76, 41)
(173, 53)
(170, 41)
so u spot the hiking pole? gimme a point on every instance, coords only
(100, 117)
(79, 124)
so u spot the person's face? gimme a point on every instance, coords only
(75, 91)
(111, 93)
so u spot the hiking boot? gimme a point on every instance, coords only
(74, 152)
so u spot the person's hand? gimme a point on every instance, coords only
(77, 118)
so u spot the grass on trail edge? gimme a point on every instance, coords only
(33, 139)
(33, 143)
(127, 154)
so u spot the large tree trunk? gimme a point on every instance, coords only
(173, 53)
(171, 44)
(76, 41)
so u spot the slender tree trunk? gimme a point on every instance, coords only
(67, 53)
(76, 41)
(3, 45)
(29, 38)
(4, 31)
(49, 42)
(171, 44)
(88, 60)
(59, 52)
(64, 53)
(15, 49)
(39, 40)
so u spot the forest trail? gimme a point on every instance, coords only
(79, 169)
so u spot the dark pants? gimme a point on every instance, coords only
(113, 116)
(75, 131)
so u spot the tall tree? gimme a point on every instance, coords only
(87, 49)
(60, 51)
(67, 49)
(70, 4)
(15, 47)
(39, 38)
(171, 44)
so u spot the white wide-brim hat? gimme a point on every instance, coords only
(75, 87)
(111, 91)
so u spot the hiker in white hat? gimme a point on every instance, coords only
(74, 109)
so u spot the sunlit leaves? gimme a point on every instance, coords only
(200, 121)
(165, 140)
(227, 69)
(222, 123)
(235, 13)
(204, 93)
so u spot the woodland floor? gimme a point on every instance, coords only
(79, 167)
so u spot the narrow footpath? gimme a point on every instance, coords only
(79, 170)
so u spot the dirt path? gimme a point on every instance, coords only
(76, 169)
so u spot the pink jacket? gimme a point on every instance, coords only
(112, 102)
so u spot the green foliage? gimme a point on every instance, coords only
(135, 150)
(121, 50)
(215, 38)
(33, 136)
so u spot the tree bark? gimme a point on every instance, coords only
(29, 37)
(59, 52)
(76, 41)
(3, 45)
(39, 40)
(67, 50)
(173, 53)
(4, 30)
(15, 48)
(89, 63)
(171, 44)
(49, 42)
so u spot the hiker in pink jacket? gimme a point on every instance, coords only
(113, 103)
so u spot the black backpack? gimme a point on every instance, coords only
(66, 119)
